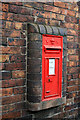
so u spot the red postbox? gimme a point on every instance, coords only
(52, 51)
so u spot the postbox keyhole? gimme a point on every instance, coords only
(48, 80)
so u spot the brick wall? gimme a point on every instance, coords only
(15, 16)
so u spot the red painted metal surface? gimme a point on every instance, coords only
(52, 50)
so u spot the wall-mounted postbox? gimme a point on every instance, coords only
(52, 51)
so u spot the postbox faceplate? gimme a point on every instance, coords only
(52, 48)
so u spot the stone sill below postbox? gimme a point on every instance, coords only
(34, 70)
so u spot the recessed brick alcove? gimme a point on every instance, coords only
(34, 69)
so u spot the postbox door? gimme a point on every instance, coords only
(51, 77)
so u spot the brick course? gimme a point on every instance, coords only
(15, 15)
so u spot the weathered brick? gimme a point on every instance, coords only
(60, 4)
(21, 18)
(11, 50)
(5, 7)
(71, 13)
(17, 58)
(18, 74)
(15, 66)
(71, 51)
(54, 22)
(72, 45)
(72, 63)
(0, 6)
(71, 32)
(70, 19)
(16, 42)
(72, 88)
(72, 82)
(7, 91)
(3, 16)
(11, 33)
(12, 99)
(70, 38)
(23, 50)
(74, 57)
(5, 83)
(17, 25)
(20, 82)
(6, 75)
(40, 20)
(11, 107)
(11, 114)
(5, 108)
(72, 70)
(19, 90)
(9, 16)
(60, 17)
(4, 58)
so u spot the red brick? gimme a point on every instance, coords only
(4, 58)
(15, 66)
(23, 50)
(6, 75)
(71, 13)
(72, 88)
(16, 42)
(71, 32)
(72, 63)
(68, 25)
(10, 33)
(74, 57)
(11, 50)
(52, 8)
(9, 16)
(54, 22)
(59, 4)
(71, 19)
(17, 25)
(20, 82)
(74, 7)
(17, 58)
(11, 107)
(5, 7)
(21, 18)
(9, 25)
(72, 82)
(71, 51)
(11, 83)
(77, 100)
(11, 114)
(70, 38)
(7, 91)
(4, 15)
(75, 76)
(2, 66)
(19, 90)
(0, 6)
(72, 45)
(73, 70)
(5, 83)
(18, 74)
(5, 108)
(12, 99)
(39, 20)
(60, 17)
